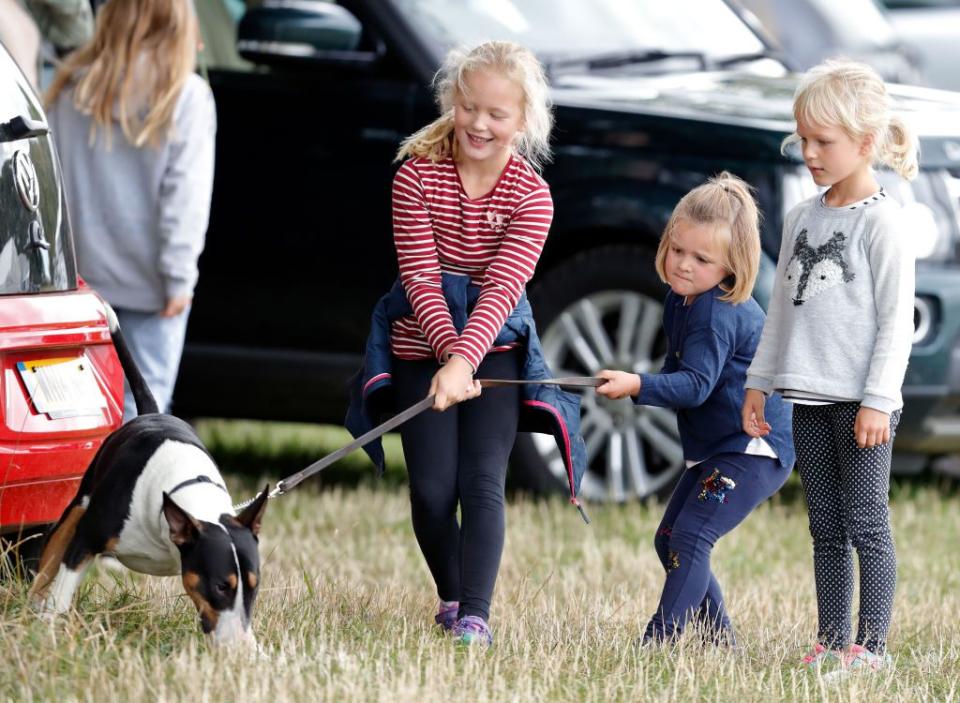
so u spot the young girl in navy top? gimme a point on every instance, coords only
(709, 255)
(836, 344)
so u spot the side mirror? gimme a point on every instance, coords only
(306, 32)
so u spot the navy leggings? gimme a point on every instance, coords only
(702, 509)
(460, 456)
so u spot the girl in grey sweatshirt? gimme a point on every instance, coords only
(836, 343)
(135, 129)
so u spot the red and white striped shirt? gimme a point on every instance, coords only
(496, 240)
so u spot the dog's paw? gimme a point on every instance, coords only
(43, 610)
(36, 601)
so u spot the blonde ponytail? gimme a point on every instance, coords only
(901, 150)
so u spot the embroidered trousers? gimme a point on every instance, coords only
(703, 508)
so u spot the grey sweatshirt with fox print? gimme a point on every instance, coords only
(840, 320)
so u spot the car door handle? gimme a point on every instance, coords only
(21, 127)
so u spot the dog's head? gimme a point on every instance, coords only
(220, 563)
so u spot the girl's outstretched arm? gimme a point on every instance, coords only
(703, 354)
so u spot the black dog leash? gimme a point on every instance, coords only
(292, 481)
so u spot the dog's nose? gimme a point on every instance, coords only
(232, 632)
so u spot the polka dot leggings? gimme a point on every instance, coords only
(846, 489)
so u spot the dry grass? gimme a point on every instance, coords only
(345, 614)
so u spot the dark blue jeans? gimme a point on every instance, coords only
(702, 509)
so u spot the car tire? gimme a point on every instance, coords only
(603, 309)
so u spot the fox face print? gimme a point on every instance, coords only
(812, 270)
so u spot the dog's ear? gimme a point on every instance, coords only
(253, 513)
(183, 528)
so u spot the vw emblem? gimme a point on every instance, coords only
(26, 177)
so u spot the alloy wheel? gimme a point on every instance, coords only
(632, 451)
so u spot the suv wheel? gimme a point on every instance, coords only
(602, 309)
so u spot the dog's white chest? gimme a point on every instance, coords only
(144, 542)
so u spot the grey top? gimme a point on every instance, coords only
(139, 214)
(840, 320)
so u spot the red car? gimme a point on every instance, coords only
(61, 388)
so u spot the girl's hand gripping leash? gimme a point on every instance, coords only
(291, 482)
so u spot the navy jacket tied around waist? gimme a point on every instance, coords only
(545, 409)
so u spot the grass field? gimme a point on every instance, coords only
(345, 615)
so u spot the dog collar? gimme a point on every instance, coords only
(197, 479)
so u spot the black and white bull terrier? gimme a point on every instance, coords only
(153, 498)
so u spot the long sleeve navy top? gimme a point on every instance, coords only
(710, 344)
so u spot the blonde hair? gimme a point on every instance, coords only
(163, 33)
(723, 201)
(852, 96)
(513, 62)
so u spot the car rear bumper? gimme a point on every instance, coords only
(44, 454)
(31, 503)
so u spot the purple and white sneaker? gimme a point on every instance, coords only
(446, 616)
(471, 630)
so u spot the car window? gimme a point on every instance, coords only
(36, 249)
(852, 24)
(558, 28)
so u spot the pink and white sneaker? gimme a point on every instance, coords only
(859, 657)
(819, 657)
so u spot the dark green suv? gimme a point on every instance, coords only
(651, 98)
